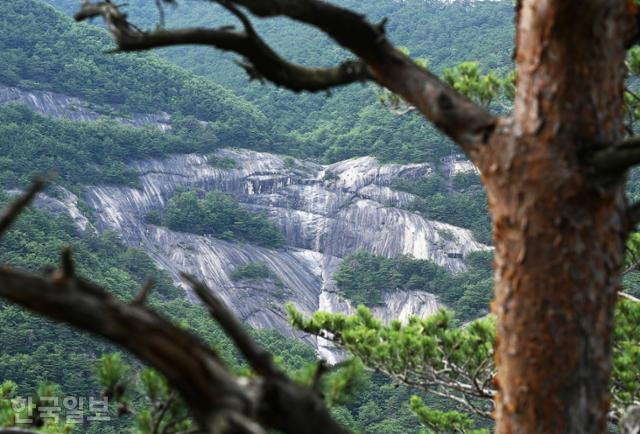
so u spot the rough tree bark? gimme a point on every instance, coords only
(555, 173)
(559, 228)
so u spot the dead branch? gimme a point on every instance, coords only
(262, 62)
(467, 123)
(16, 207)
(259, 359)
(218, 401)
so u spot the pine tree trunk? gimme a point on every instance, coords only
(559, 231)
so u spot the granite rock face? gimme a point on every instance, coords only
(323, 218)
(324, 211)
(67, 107)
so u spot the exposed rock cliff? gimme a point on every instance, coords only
(62, 106)
(322, 217)
(325, 213)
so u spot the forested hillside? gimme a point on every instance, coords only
(336, 225)
(69, 58)
(350, 122)
(36, 352)
(212, 106)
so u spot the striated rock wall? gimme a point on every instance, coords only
(325, 213)
(62, 106)
(323, 219)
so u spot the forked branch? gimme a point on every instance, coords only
(467, 123)
(219, 401)
(261, 63)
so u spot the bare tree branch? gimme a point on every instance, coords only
(193, 368)
(618, 158)
(467, 123)
(262, 61)
(218, 400)
(259, 359)
(143, 292)
(12, 211)
(628, 297)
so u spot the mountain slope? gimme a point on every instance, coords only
(69, 58)
(119, 173)
(351, 122)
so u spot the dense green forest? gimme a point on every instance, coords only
(198, 84)
(364, 278)
(36, 351)
(75, 153)
(348, 123)
(69, 58)
(220, 215)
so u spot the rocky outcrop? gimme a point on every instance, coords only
(455, 164)
(62, 106)
(323, 218)
(324, 211)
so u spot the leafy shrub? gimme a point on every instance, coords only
(330, 176)
(153, 217)
(252, 271)
(226, 163)
(220, 215)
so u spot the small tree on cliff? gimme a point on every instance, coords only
(555, 174)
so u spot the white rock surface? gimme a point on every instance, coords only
(62, 106)
(322, 221)
(325, 213)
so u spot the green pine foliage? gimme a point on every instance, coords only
(364, 278)
(483, 88)
(626, 354)
(221, 216)
(253, 271)
(412, 352)
(437, 421)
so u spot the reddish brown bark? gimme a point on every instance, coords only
(558, 230)
(554, 176)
